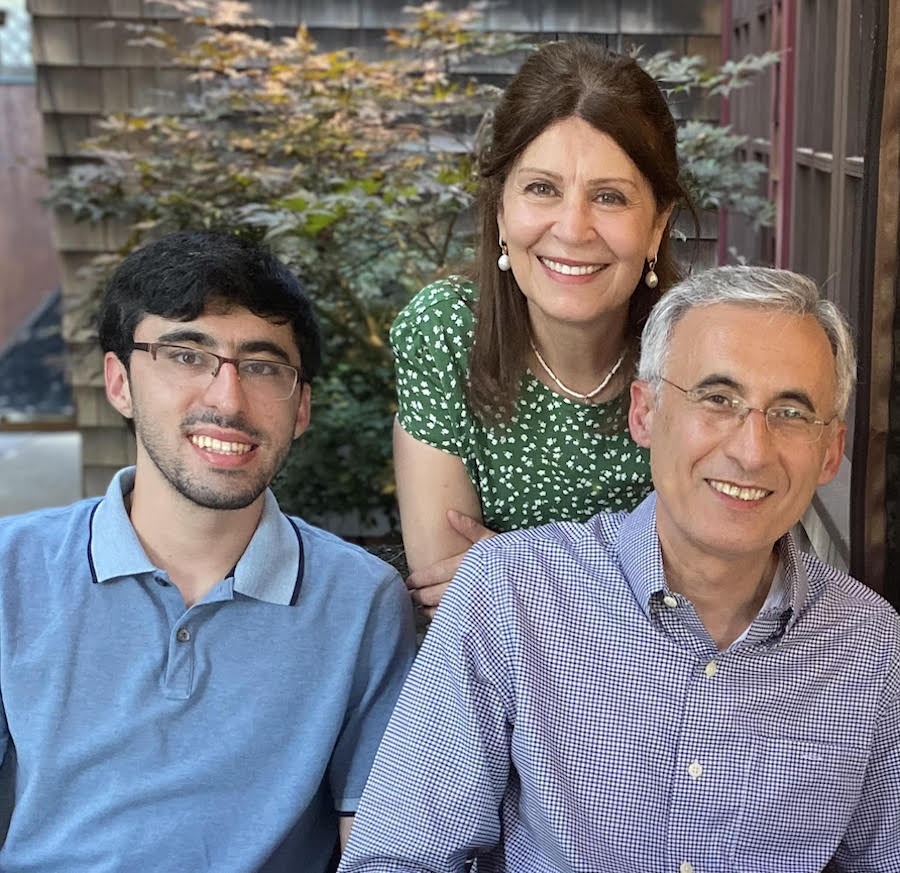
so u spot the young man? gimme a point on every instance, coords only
(678, 690)
(190, 679)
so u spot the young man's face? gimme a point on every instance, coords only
(216, 441)
(734, 489)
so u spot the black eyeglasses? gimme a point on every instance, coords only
(725, 410)
(269, 380)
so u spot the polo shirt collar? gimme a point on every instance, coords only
(795, 580)
(270, 569)
(640, 558)
(113, 547)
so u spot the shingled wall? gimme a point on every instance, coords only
(86, 68)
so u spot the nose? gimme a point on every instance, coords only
(225, 391)
(750, 443)
(574, 221)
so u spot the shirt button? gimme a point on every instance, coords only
(711, 669)
(686, 867)
(695, 770)
(182, 635)
(670, 601)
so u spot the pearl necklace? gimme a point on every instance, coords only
(568, 390)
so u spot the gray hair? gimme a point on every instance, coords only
(761, 287)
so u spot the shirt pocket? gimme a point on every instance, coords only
(799, 797)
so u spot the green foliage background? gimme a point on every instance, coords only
(360, 174)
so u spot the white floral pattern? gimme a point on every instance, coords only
(555, 460)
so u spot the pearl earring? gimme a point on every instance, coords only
(503, 261)
(651, 280)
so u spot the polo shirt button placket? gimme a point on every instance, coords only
(180, 662)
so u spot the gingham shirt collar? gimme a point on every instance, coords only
(640, 558)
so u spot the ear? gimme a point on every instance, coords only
(640, 415)
(660, 223)
(501, 227)
(118, 390)
(834, 452)
(302, 420)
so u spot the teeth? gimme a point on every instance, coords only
(219, 446)
(739, 493)
(568, 270)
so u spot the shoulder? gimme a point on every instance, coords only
(442, 305)
(597, 534)
(54, 529)
(529, 593)
(358, 599)
(836, 598)
(42, 551)
(841, 589)
(344, 565)
(536, 562)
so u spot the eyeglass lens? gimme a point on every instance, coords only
(185, 365)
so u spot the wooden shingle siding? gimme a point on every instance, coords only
(63, 134)
(73, 89)
(55, 41)
(663, 16)
(79, 237)
(107, 44)
(108, 445)
(86, 8)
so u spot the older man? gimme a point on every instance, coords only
(678, 690)
(192, 680)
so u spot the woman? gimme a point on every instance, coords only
(512, 388)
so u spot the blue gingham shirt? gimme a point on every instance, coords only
(568, 712)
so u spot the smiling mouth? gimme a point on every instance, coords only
(220, 447)
(737, 491)
(571, 269)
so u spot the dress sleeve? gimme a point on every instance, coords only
(431, 339)
(433, 800)
(384, 658)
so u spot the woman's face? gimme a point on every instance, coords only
(579, 219)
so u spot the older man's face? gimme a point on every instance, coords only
(729, 488)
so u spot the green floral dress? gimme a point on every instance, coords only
(555, 460)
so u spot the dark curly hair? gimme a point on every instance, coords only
(181, 275)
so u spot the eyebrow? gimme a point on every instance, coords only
(794, 395)
(606, 180)
(256, 346)
(199, 338)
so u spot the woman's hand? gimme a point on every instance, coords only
(428, 584)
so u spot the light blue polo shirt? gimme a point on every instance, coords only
(227, 737)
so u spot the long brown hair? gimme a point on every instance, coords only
(612, 93)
